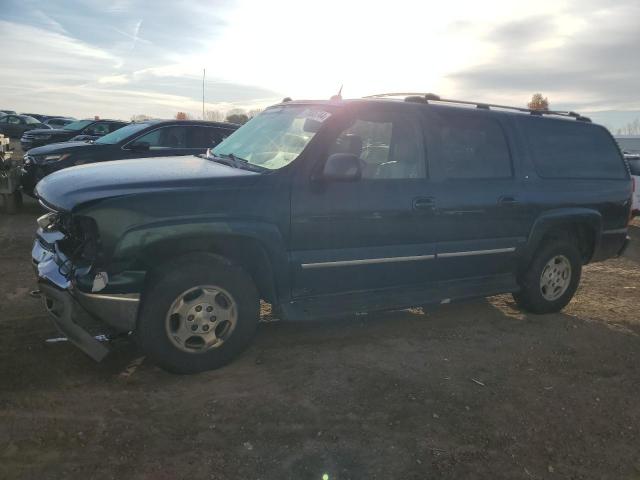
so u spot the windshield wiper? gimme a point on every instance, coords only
(237, 162)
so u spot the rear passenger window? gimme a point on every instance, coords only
(571, 149)
(204, 137)
(472, 147)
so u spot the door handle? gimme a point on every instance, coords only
(507, 200)
(423, 203)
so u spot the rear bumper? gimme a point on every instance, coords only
(612, 244)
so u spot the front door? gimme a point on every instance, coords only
(371, 233)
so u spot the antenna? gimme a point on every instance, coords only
(339, 95)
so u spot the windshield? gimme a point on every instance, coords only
(30, 120)
(76, 126)
(276, 137)
(121, 134)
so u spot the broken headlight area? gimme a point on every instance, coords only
(66, 246)
(80, 242)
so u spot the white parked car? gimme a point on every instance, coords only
(634, 167)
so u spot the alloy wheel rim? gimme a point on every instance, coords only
(555, 278)
(201, 318)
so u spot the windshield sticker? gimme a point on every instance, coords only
(317, 115)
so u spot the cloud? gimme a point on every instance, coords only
(593, 63)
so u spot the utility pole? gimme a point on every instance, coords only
(204, 71)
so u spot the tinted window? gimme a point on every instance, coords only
(14, 120)
(165, 137)
(471, 147)
(77, 125)
(99, 128)
(115, 126)
(31, 120)
(204, 137)
(122, 133)
(389, 148)
(571, 149)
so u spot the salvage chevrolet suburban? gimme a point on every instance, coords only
(325, 208)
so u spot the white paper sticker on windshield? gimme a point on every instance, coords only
(317, 115)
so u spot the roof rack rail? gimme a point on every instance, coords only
(430, 97)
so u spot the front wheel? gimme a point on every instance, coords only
(198, 315)
(552, 278)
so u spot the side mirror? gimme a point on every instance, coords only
(140, 147)
(343, 167)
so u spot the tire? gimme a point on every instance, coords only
(170, 304)
(12, 202)
(535, 298)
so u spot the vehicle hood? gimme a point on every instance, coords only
(65, 147)
(68, 188)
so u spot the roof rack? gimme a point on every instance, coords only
(430, 97)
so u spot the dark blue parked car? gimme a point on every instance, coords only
(326, 208)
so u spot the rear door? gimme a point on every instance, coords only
(480, 217)
(371, 233)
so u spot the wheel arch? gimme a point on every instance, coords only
(256, 248)
(581, 226)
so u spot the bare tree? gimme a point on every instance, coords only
(538, 102)
(631, 128)
(237, 115)
(214, 116)
(182, 116)
(140, 117)
(254, 112)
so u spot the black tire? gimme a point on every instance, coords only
(168, 284)
(12, 202)
(530, 297)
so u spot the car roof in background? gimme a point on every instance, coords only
(189, 122)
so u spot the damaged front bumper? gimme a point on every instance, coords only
(77, 314)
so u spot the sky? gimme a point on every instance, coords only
(118, 58)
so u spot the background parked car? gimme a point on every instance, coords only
(37, 116)
(58, 122)
(633, 160)
(629, 143)
(154, 138)
(13, 126)
(88, 129)
(8, 112)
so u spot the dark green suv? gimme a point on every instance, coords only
(324, 208)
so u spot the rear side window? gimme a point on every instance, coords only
(571, 149)
(471, 147)
(204, 137)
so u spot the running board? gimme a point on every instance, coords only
(396, 298)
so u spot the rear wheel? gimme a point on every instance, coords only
(551, 279)
(197, 315)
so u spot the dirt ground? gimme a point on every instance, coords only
(475, 390)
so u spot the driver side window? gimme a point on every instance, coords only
(388, 148)
(165, 138)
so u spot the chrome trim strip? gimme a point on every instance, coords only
(476, 252)
(367, 261)
(614, 231)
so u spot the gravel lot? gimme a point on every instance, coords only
(477, 390)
